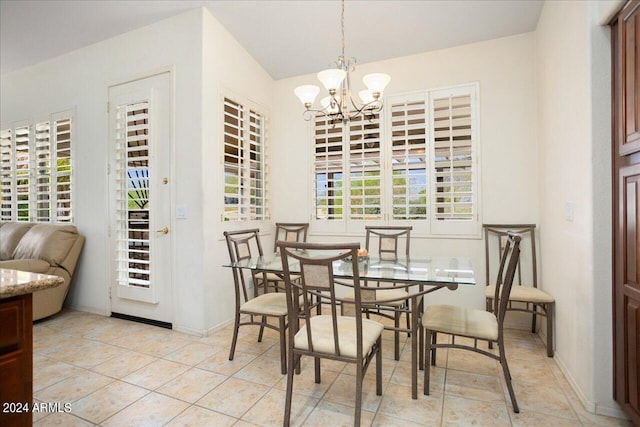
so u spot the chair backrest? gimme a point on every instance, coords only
(495, 237)
(506, 273)
(314, 263)
(290, 232)
(240, 244)
(388, 240)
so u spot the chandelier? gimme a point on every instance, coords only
(341, 105)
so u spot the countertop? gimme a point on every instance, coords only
(15, 282)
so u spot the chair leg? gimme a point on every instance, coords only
(434, 340)
(283, 345)
(427, 362)
(316, 368)
(407, 314)
(396, 335)
(507, 375)
(289, 394)
(236, 326)
(489, 309)
(379, 367)
(549, 308)
(264, 320)
(534, 317)
(421, 344)
(359, 379)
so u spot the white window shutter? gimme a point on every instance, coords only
(365, 168)
(328, 170)
(7, 193)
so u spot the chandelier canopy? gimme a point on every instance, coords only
(340, 105)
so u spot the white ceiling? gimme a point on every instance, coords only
(287, 38)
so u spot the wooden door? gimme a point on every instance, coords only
(626, 201)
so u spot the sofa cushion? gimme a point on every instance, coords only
(47, 242)
(32, 265)
(10, 235)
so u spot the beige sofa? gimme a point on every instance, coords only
(42, 248)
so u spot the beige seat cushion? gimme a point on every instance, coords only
(323, 340)
(10, 235)
(523, 294)
(456, 320)
(273, 304)
(392, 297)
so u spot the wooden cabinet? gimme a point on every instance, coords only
(625, 36)
(16, 361)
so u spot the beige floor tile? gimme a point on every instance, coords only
(47, 372)
(86, 353)
(336, 415)
(106, 402)
(221, 364)
(195, 416)
(234, 397)
(124, 364)
(193, 353)
(73, 387)
(535, 373)
(269, 410)
(469, 361)
(192, 385)
(156, 374)
(263, 370)
(402, 376)
(152, 410)
(464, 412)
(62, 419)
(305, 384)
(543, 398)
(343, 391)
(156, 343)
(249, 343)
(397, 403)
(382, 420)
(534, 419)
(487, 388)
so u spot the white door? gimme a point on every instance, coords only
(140, 199)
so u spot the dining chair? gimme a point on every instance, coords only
(478, 325)
(335, 336)
(289, 232)
(527, 298)
(389, 243)
(262, 307)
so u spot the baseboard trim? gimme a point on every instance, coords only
(165, 325)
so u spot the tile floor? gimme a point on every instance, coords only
(114, 372)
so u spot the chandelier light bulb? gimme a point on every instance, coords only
(307, 94)
(332, 79)
(376, 82)
(366, 96)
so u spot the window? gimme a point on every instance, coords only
(36, 171)
(245, 181)
(417, 163)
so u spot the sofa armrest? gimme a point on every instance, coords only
(30, 264)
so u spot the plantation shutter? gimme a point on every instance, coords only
(63, 168)
(23, 174)
(6, 175)
(233, 160)
(365, 168)
(329, 169)
(257, 191)
(245, 182)
(132, 212)
(409, 159)
(43, 171)
(455, 183)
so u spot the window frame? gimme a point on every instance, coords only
(429, 227)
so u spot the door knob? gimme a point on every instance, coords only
(164, 230)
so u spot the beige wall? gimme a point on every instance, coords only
(573, 83)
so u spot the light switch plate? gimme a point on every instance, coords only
(181, 212)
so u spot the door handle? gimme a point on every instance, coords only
(164, 230)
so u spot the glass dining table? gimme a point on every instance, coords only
(419, 276)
